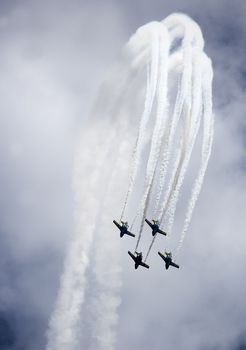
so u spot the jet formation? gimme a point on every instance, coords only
(137, 257)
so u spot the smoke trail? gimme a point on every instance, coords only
(194, 123)
(159, 128)
(206, 147)
(149, 99)
(183, 96)
(94, 151)
(107, 262)
(189, 30)
(62, 326)
(175, 178)
(188, 103)
(192, 126)
(62, 333)
(172, 184)
(157, 47)
(182, 161)
(107, 273)
(104, 325)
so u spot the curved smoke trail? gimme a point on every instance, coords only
(107, 263)
(206, 146)
(149, 99)
(172, 51)
(62, 327)
(182, 105)
(159, 127)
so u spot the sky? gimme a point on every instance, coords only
(54, 56)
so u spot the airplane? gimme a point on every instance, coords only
(138, 257)
(155, 227)
(167, 257)
(123, 228)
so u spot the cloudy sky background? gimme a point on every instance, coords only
(54, 55)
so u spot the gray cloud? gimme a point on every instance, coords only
(46, 92)
(53, 58)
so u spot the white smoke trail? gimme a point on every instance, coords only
(189, 104)
(183, 26)
(62, 326)
(184, 154)
(155, 46)
(94, 151)
(183, 96)
(172, 185)
(192, 123)
(107, 302)
(107, 262)
(149, 99)
(203, 80)
(62, 333)
(206, 147)
(175, 177)
(159, 127)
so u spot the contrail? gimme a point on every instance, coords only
(149, 99)
(159, 128)
(62, 326)
(107, 262)
(93, 152)
(178, 100)
(190, 32)
(206, 146)
(183, 96)
(192, 126)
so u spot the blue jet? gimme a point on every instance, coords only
(123, 228)
(155, 227)
(167, 257)
(138, 259)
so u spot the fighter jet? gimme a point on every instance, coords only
(138, 257)
(167, 257)
(123, 228)
(155, 227)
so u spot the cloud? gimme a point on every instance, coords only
(50, 70)
(53, 57)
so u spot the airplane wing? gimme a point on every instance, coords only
(174, 265)
(144, 265)
(162, 232)
(130, 234)
(131, 255)
(148, 222)
(161, 255)
(116, 223)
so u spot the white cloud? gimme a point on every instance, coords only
(52, 60)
